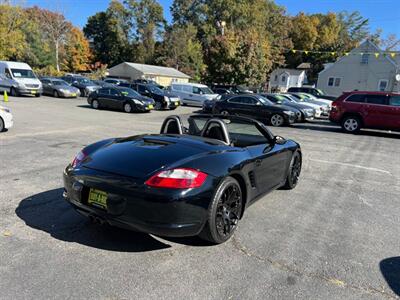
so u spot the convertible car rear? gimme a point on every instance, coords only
(187, 180)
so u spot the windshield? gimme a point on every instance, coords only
(202, 90)
(59, 82)
(264, 100)
(129, 92)
(22, 73)
(154, 89)
(84, 80)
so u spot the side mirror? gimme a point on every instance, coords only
(279, 140)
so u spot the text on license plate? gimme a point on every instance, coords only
(98, 198)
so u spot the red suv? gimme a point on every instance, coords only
(356, 110)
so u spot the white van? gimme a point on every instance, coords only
(17, 78)
(193, 93)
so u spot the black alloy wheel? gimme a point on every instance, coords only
(294, 171)
(224, 212)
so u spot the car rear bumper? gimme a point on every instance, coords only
(166, 212)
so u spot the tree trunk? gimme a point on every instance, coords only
(57, 64)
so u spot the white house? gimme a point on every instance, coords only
(365, 68)
(162, 75)
(282, 79)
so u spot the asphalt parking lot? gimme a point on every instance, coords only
(336, 236)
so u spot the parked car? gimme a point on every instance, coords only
(85, 85)
(115, 81)
(164, 99)
(18, 78)
(310, 90)
(193, 93)
(120, 98)
(234, 89)
(312, 97)
(102, 83)
(59, 88)
(6, 118)
(175, 184)
(305, 113)
(356, 110)
(256, 107)
(293, 99)
(304, 99)
(222, 91)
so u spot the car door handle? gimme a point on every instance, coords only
(258, 162)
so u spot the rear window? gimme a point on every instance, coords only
(359, 98)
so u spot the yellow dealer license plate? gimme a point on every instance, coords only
(98, 198)
(33, 92)
(73, 94)
(176, 103)
(151, 106)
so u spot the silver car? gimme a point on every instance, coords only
(59, 88)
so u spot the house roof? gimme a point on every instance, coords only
(304, 65)
(289, 71)
(157, 70)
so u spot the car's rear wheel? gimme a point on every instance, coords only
(1, 125)
(294, 171)
(95, 104)
(277, 120)
(224, 212)
(127, 108)
(351, 124)
(55, 94)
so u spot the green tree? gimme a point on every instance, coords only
(147, 23)
(108, 33)
(181, 50)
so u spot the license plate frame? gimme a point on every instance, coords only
(33, 92)
(98, 198)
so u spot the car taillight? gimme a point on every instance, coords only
(181, 178)
(78, 159)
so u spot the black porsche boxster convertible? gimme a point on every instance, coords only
(192, 179)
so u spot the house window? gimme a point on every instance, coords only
(283, 78)
(334, 81)
(364, 58)
(276, 78)
(382, 85)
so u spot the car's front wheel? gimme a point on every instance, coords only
(158, 106)
(294, 171)
(351, 124)
(277, 120)
(95, 104)
(224, 212)
(55, 94)
(13, 92)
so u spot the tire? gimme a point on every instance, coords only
(13, 92)
(223, 213)
(351, 124)
(55, 94)
(277, 120)
(294, 171)
(158, 106)
(38, 95)
(83, 93)
(2, 127)
(127, 108)
(95, 104)
(224, 113)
